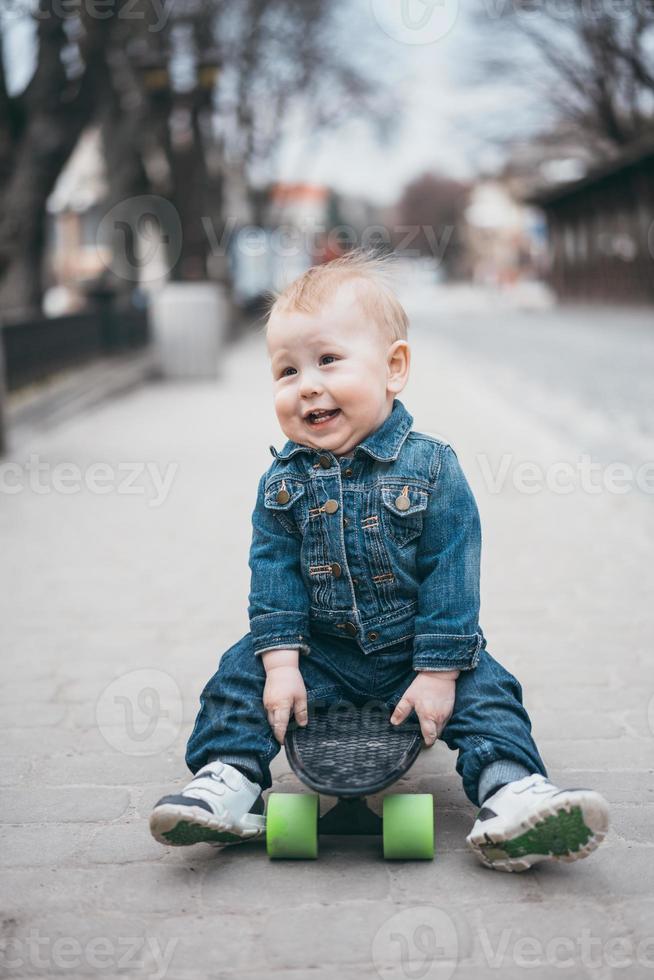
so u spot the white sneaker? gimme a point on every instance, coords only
(531, 820)
(219, 806)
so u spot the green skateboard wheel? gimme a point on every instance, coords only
(292, 825)
(408, 826)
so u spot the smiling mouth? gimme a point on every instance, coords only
(319, 419)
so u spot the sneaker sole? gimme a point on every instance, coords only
(181, 826)
(568, 827)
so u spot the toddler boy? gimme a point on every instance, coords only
(365, 585)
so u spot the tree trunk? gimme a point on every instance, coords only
(21, 287)
(126, 178)
(186, 156)
(56, 110)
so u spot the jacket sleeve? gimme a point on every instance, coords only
(447, 633)
(278, 602)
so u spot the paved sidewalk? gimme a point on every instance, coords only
(123, 583)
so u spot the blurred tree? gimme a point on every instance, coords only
(429, 220)
(326, 80)
(589, 66)
(38, 131)
(183, 91)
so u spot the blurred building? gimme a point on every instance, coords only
(73, 255)
(505, 239)
(298, 204)
(278, 245)
(601, 229)
(301, 224)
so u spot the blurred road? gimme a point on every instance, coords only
(124, 577)
(587, 375)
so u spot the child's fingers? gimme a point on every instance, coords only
(429, 730)
(279, 722)
(301, 711)
(403, 709)
(428, 718)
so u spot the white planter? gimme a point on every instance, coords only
(3, 430)
(189, 325)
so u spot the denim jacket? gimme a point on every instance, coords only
(383, 546)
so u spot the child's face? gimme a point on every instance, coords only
(338, 360)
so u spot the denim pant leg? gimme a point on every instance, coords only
(232, 724)
(489, 722)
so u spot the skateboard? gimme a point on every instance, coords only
(350, 752)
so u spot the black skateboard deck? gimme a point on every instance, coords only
(349, 751)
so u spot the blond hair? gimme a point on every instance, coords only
(373, 278)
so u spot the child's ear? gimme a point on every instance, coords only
(398, 362)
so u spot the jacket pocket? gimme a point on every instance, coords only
(283, 499)
(403, 512)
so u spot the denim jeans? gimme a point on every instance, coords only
(488, 723)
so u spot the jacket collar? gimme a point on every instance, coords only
(383, 444)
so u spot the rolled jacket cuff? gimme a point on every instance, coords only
(278, 631)
(442, 651)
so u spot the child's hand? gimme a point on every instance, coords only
(284, 694)
(432, 695)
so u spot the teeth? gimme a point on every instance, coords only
(320, 415)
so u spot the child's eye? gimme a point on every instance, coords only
(284, 374)
(328, 357)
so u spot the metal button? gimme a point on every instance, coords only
(283, 497)
(348, 471)
(345, 522)
(336, 569)
(330, 506)
(402, 503)
(350, 629)
(372, 635)
(324, 461)
(355, 581)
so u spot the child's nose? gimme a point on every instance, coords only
(310, 384)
